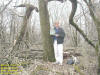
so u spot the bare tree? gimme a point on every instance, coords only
(74, 7)
(97, 24)
(29, 9)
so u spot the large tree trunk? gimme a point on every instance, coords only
(45, 28)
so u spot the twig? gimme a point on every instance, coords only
(5, 6)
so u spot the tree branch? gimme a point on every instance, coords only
(6, 6)
(96, 21)
(29, 9)
(74, 8)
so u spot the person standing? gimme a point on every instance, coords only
(58, 39)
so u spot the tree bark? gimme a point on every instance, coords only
(45, 30)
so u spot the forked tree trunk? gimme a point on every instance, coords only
(29, 9)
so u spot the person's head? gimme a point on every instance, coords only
(56, 24)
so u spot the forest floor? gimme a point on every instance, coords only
(32, 64)
(87, 66)
(40, 67)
